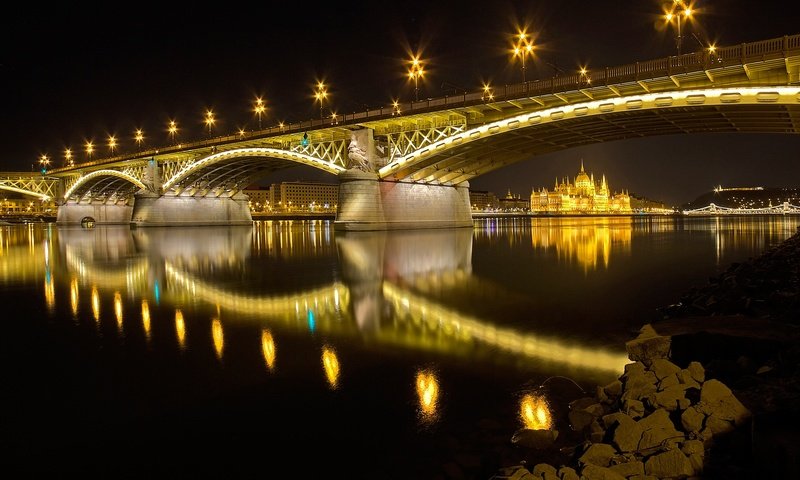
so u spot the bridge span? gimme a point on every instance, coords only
(409, 166)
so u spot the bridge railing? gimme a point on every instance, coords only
(660, 67)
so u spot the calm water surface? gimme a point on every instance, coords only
(286, 350)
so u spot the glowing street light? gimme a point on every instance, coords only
(89, 150)
(209, 120)
(112, 143)
(139, 137)
(522, 48)
(416, 71)
(44, 161)
(678, 12)
(488, 94)
(68, 157)
(259, 110)
(321, 94)
(172, 128)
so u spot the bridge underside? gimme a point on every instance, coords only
(462, 163)
(104, 189)
(228, 178)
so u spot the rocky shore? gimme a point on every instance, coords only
(712, 390)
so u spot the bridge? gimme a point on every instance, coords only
(713, 209)
(409, 165)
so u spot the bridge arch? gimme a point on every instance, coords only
(106, 181)
(455, 159)
(246, 170)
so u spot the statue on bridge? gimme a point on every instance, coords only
(362, 153)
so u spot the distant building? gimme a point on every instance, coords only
(514, 203)
(27, 206)
(483, 200)
(583, 195)
(294, 197)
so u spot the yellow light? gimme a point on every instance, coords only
(535, 412)
(146, 317)
(712, 48)
(268, 348)
(241, 132)
(687, 12)
(118, 308)
(89, 147)
(331, 365)
(112, 142)
(180, 327)
(73, 295)
(95, 304)
(216, 334)
(428, 394)
(50, 292)
(668, 16)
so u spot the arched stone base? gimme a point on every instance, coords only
(170, 210)
(71, 213)
(367, 203)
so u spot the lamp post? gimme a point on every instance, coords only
(678, 12)
(139, 137)
(89, 150)
(522, 48)
(68, 157)
(210, 120)
(259, 110)
(320, 94)
(172, 128)
(415, 72)
(112, 144)
(44, 161)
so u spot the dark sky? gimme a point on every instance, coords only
(72, 73)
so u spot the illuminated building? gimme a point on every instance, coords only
(482, 200)
(512, 203)
(584, 195)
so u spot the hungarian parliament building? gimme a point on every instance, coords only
(584, 195)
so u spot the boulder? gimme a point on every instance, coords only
(567, 473)
(670, 464)
(663, 368)
(593, 472)
(599, 454)
(628, 469)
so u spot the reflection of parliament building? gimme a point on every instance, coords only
(583, 196)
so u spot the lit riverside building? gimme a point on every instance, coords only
(295, 197)
(582, 196)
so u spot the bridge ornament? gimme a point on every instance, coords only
(362, 153)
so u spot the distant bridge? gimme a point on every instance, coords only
(409, 166)
(712, 209)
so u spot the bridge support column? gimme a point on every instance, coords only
(72, 213)
(367, 203)
(170, 210)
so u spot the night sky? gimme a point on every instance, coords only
(71, 73)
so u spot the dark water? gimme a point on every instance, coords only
(287, 351)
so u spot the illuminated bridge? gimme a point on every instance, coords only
(712, 209)
(410, 165)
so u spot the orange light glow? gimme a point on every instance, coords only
(331, 365)
(268, 348)
(73, 295)
(535, 412)
(95, 304)
(146, 317)
(118, 308)
(217, 335)
(180, 328)
(428, 394)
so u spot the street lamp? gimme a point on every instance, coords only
(209, 120)
(488, 94)
(522, 48)
(259, 110)
(139, 137)
(320, 94)
(415, 72)
(112, 143)
(44, 161)
(678, 12)
(172, 128)
(89, 150)
(68, 157)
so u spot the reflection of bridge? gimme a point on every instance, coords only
(410, 166)
(712, 209)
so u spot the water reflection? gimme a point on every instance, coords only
(534, 412)
(180, 328)
(118, 309)
(217, 336)
(268, 349)
(428, 394)
(586, 241)
(330, 363)
(146, 318)
(95, 303)
(73, 296)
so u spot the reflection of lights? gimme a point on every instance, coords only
(180, 327)
(428, 393)
(535, 413)
(216, 334)
(73, 295)
(331, 365)
(49, 291)
(268, 347)
(146, 317)
(584, 239)
(118, 308)
(463, 327)
(311, 324)
(95, 304)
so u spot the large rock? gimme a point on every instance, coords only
(628, 469)
(648, 346)
(568, 473)
(670, 464)
(599, 454)
(692, 419)
(717, 400)
(671, 398)
(697, 372)
(593, 472)
(545, 471)
(664, 368)
(625, 433)
(534, 439)
(658, 431)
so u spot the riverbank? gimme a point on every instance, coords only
(713, 390)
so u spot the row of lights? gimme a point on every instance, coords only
(522, 48)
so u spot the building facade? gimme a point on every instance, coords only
(581, 196)
(298, 196)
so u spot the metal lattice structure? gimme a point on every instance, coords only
(712, 209)
(30, 184)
